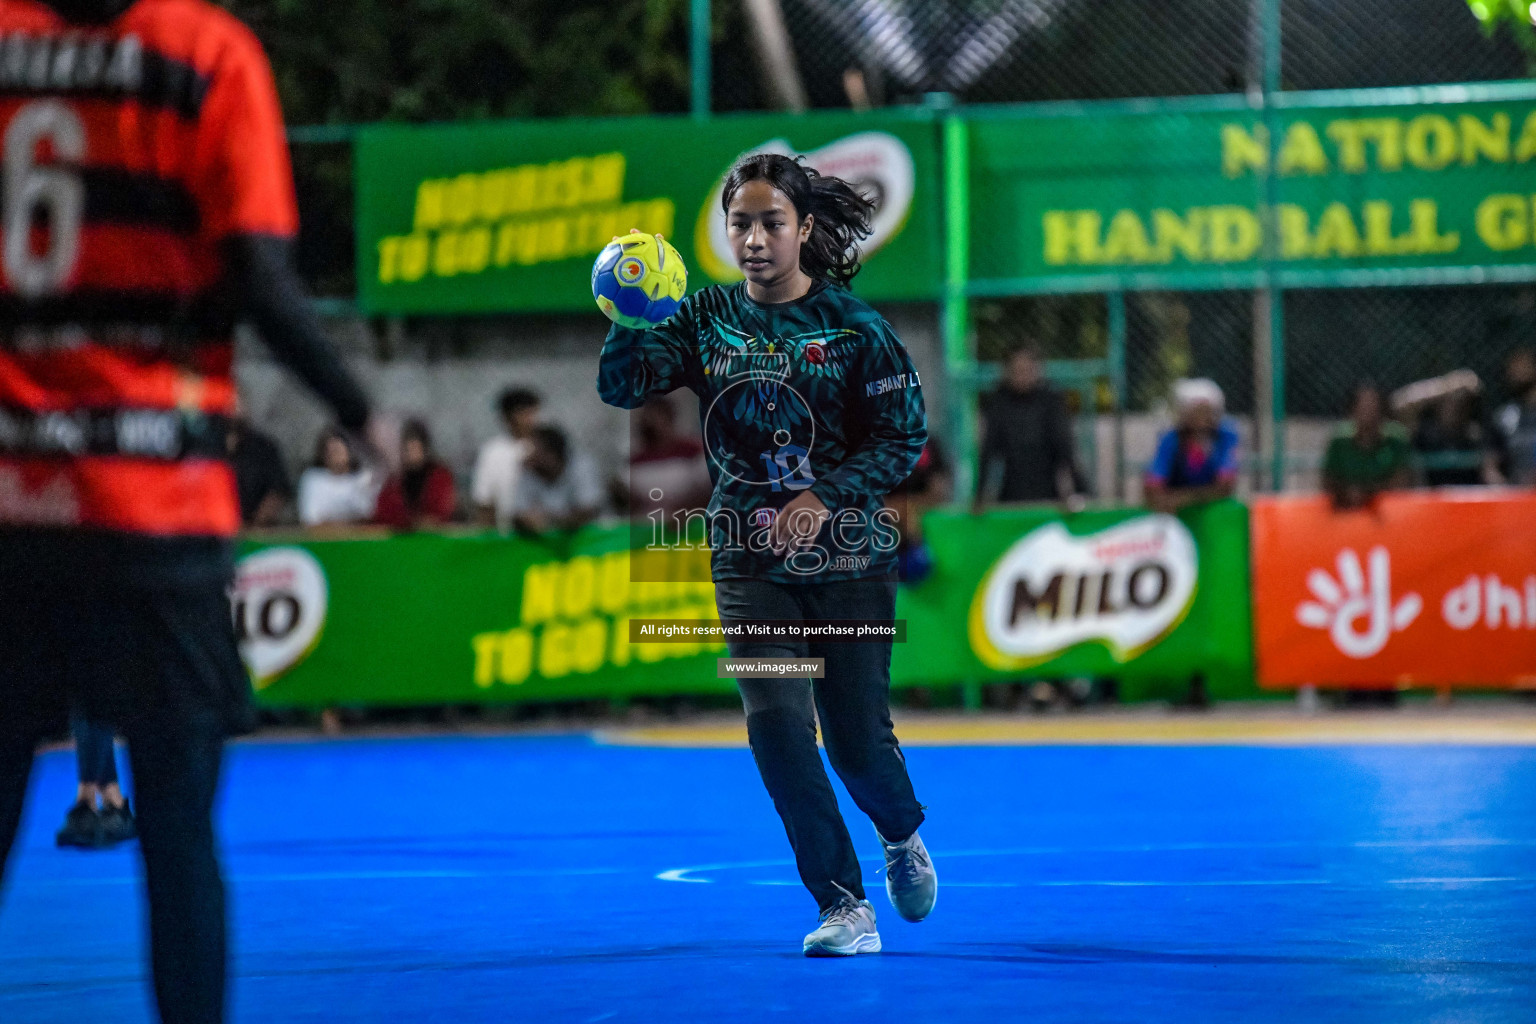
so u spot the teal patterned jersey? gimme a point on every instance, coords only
(814, 394)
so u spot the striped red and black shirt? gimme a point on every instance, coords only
(131, 150)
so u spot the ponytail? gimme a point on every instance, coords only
(841, 213)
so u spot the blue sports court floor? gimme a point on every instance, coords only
(489, 879)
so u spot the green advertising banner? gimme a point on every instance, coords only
(508, 216)
(428, 619)
(1147, 599)
(1382, 187)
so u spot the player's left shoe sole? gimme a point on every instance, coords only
(866, 943)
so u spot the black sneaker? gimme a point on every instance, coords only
(117, 825)
(82, 828)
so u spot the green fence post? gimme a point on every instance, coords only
(1117, 382)
(959, 361)
(698, 56)
(1276, 296)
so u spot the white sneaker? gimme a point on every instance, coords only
(910, 881)
(847, 928)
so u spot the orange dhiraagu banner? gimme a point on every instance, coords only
(1424, 589)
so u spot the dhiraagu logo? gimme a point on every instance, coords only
(876, 163)
(1126, 587)
(279, 602)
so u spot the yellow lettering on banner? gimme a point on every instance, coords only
(1302, 152)
(431, 198)
(1295, 237)
(589, 644)
(578, 590)
(605, 181)
(561, 184)
(485, 646)
(463, 199)
(520, 189)
(1126, 241)
(1235, 233)
(1526, 147)
(1242, 150)
(1378, 230)
(661, 216)
(474, 250)
(1072, 236)
(1424, 229)
(414, 254)
(555, 650)
(613, 589)
(554, 239)
(1503, 222)
(389, 258)
(609, 225)
(1336, 234)
(503, 657)
(619, 652)
(1347, 135)
(1186, 234)
(494, 193)
(1431, 142)
(514, 656)
(540, 585)
(506, 243)
(1387, 133)
(445, 253)
(1480, 140)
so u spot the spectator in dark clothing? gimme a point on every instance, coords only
(422, 492)
(1196, 461)
(1451, 443)
(927, 486)
(261, 479)
(1367, 455)
(1514, 423)
(1026, 442)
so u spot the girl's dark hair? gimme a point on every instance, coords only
(842, 214)
(417, 429)
(324, 439)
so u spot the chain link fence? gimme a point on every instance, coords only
(1013, 51)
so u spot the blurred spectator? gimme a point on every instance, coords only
(100, 816)
(1196, 461)
(1026, 439)
(336, 489)
(499, 465)
(1452, 445)
(664, 460)
(1514, 423)
(559, 490)
(1367, 455)
(927, 486)
(422, 493)
(261, 479)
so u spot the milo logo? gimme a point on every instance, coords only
(878, 164)
(279, 603)
(1125, 587)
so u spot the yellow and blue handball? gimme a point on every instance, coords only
(639, 280)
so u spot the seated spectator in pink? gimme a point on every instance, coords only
(1196, 461)
(421, 493)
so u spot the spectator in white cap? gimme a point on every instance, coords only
(1196, 461)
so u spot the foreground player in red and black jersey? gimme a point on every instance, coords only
(146, 203)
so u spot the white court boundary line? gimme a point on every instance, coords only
(684, 874)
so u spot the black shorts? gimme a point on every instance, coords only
(114, 654)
